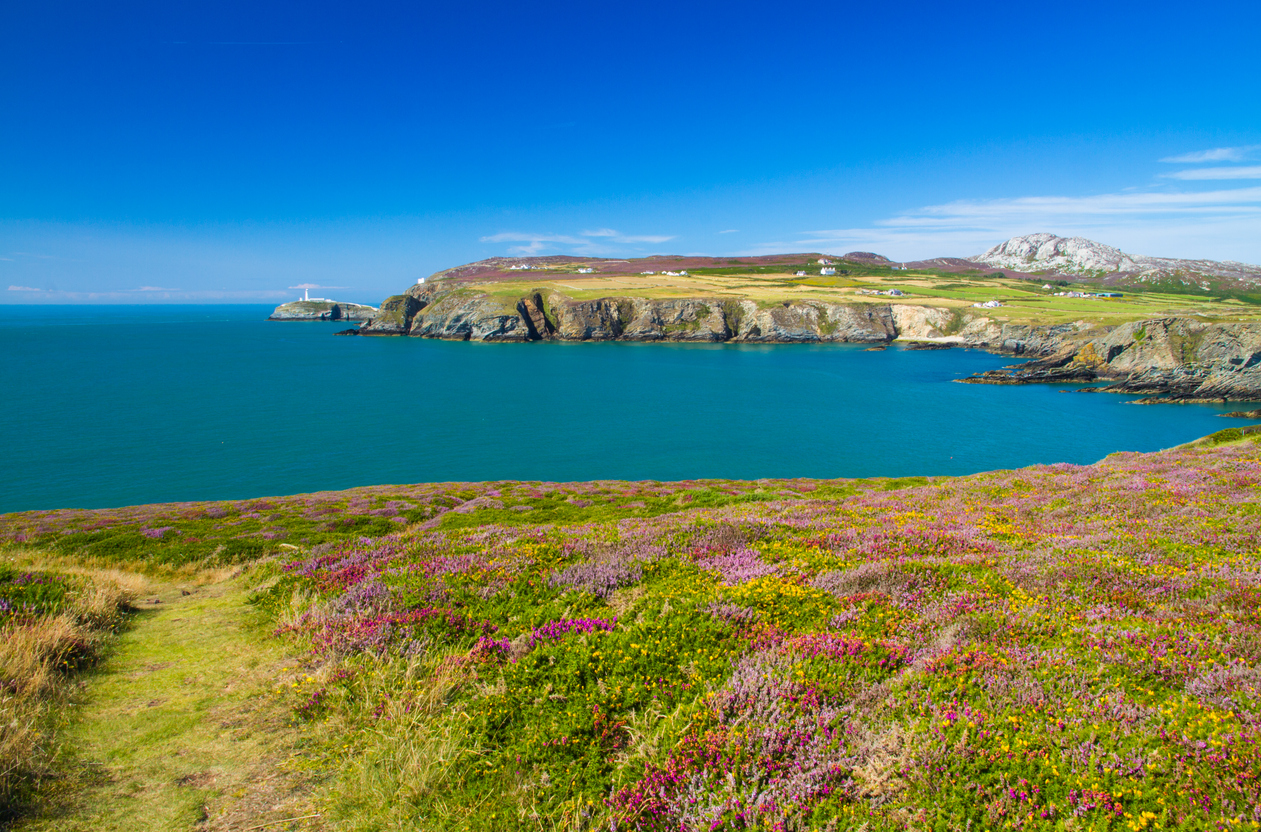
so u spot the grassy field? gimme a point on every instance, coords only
(1023, 301)
(1060, 647)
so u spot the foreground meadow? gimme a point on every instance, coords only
(1059, 647)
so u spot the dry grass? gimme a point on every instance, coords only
(39, 657)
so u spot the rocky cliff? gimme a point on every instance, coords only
(1171, 358)
(464, 315)
(1050, 254)
(323, 310)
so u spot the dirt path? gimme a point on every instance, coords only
(181, 729)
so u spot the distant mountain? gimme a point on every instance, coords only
(1077, 256)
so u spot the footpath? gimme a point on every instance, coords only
(180, 729)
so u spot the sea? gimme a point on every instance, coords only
(121, 405)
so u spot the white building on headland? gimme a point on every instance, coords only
(306, 296)
(419, 280)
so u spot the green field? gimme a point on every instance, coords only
(1023, 301)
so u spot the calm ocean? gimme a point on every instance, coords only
(111, 405)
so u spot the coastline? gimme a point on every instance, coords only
(1171, 358)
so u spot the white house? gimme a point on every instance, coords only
(419, 280)
(823, 261)
(826, 270)
(647, 272)
(585, 271)
(799, 274)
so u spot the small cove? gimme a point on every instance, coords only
(112, 406)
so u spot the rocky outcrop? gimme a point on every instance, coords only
(395, 316)
(1172, 359)
(471, 317)
(322, 310)
(1047, 253)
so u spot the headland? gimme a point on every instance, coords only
(1085, 313)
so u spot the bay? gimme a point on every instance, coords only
(109, 405)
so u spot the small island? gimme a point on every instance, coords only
(308, 308)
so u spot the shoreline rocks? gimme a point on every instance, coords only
(1167, 359)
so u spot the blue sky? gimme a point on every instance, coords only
(228, 151)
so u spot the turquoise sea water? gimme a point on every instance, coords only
(108, 405)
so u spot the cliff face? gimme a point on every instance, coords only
(312, 310)
(428, 311)
(462, 315)
(1172, 358)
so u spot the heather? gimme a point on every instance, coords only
(1057, 647)
(166, 536)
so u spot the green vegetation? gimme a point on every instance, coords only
(52, 627)
(1024, 301)
(1056, 648)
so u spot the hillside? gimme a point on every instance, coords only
(1077, 256)
(1030, 257)
(1059, 647)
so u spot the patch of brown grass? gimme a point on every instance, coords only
(39, 657)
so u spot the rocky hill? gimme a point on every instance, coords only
(1076, 256)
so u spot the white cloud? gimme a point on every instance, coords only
(315, 286)
(129, 296)
(155, 289)
(1217, 154)
(730, 231)
(598, 242)
(1251, 172)
(1218, 224)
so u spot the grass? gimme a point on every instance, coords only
(52, 626)
(1024, 301)
(182, 727)
(1055, 648)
